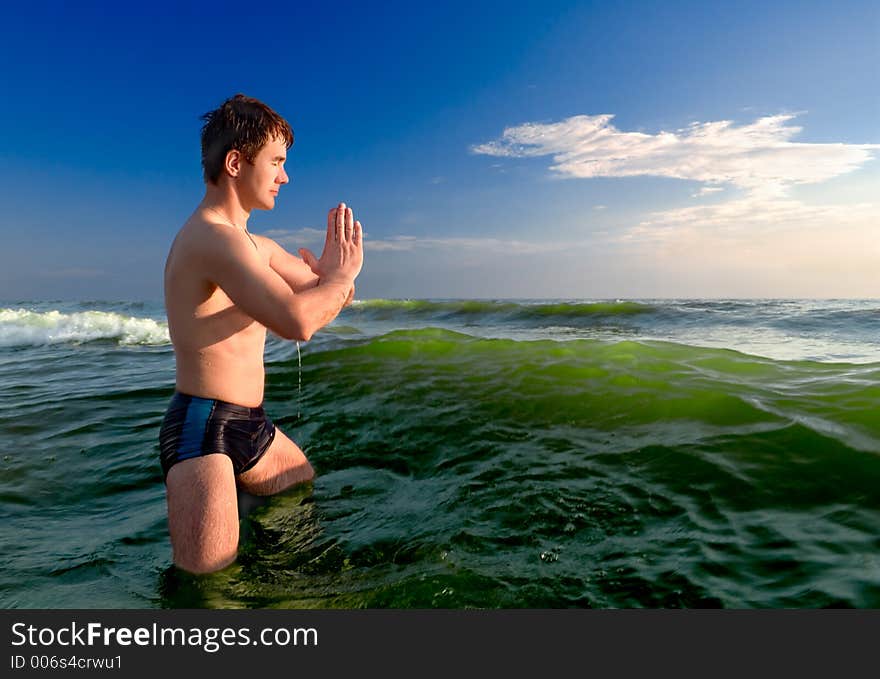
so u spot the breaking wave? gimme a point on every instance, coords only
(22, 327)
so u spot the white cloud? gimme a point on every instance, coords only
(762, 246)
(403, 243)
(758, 211)
(706, 190)
(298, 238)
(750, 156)
(789, 260)
(765, 238)
(758, 158)
(407, 243)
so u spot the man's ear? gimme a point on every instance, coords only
(233, 162)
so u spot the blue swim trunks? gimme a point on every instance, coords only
(195, 426)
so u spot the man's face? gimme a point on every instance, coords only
(261, 181)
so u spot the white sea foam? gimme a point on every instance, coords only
(22, 327)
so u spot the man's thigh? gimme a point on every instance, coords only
(282, 466)
(202, 513)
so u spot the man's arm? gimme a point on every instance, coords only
(230, 260)
(295, 272)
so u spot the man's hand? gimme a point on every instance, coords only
(343, 254)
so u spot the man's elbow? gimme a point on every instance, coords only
(304, 321)
(292, 324)
(296, 331)
(304, 335)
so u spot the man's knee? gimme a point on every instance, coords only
(206, 544)
(282, 466)
(203, 561)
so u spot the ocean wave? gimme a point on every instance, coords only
(23, 327)
(590, 383)
(518, 310)
(430, 338)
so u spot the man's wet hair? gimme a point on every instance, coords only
(241, 123)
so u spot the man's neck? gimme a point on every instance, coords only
(223, 203)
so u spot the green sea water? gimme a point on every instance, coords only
(471, 454)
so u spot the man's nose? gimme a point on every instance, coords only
(282, 177)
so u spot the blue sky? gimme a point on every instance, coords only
(529, 149)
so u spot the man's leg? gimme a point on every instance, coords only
(202, 513)
(282, 466)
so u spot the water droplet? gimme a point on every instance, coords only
(300, 384)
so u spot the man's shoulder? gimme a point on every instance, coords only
(197, 231)
(200, 227)
(209, 238)
(267, 246)
(202, 247)
(265, 241)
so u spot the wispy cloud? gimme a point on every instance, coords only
(405, 243)
(732, 250)
(759, 156)
(757, 210)
(297, 238)
(408, 243)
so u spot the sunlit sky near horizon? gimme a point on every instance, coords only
(491, 150)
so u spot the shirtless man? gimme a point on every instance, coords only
(223, 288)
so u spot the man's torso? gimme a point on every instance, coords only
(218, 348)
